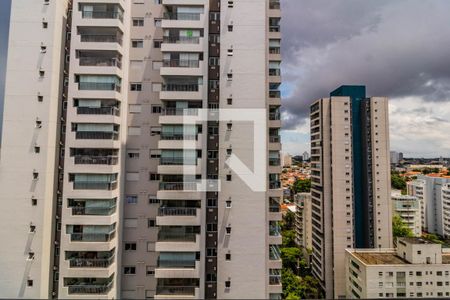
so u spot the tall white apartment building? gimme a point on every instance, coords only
(303, 226)
(114, 203)
(350, 181)
(416, 269)
(408, 209)
(432, 193)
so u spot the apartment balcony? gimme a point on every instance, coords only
(171, 115)
(88, 286)
(181, 91)
(274, 120)
(100, 62)
(177, 268)
(182, 44)
(274, 162)
(101, 38)
(177, 67)
(179, 165)
(95, 160)
(180, 141)
(173, 242)
(92, 237)
(102, 15)
(91, 259)
(178, 186)
(99, 86)
(275, 281)
(106, 111)
(274, 257)
(93, 185)
(185, 216)
(93, 211)
(183, 20)
(96, 135)
(275, 75)
(177, 292)
(97, 38)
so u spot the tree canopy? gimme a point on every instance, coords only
(302, 186)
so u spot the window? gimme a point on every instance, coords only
(151, 223)
(229, 101)
(29, 282)
(157, 43)
(129, 270)
(33, 201)
(137, 44)
(227, 284)
(44, 25)
(211, 252)
(155, 130)
(211, 227)
(230, 28)
(211, 277)
(134, 108)
(228, 256)
(138, 22)
(130, 246)
(150, 271)
(132, 199)
(37, 149)
(155, 153)
(134, 130)
(157, 22)
(154, 177)
(136, 86)
(212, 202)
(228, 230)
(32, 228)
(40, 98)
(153, 200)
(133, 154)
(156, 109)
(228, 177)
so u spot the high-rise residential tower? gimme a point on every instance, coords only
(350, 176)
(125, 199)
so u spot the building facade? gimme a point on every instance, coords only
(303, 233)
(125, 199)
(350, 178)
(416, 269)
(408, 209)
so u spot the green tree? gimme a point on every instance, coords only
(399, 228)
(288, 238)
(291, 257)
(398, 182)
(302, 186)
(288, 221)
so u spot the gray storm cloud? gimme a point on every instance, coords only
(397, 48)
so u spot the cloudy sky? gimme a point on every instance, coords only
(399, 49)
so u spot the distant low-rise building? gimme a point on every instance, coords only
(416, 269)
(303, 234)
(408, 208)
(287, 160)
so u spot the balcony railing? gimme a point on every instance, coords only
(98, 86)
(274, 94)
(92, 237)
(180, 87)
(274, 230)
(181, 63)
(107, 110)
(100, 62)
(101, 15)
(96, 160)
(274, 28)
(96, 135)
(90, 288)
(274, 161)
(101, 38)
(182, 16)
(274, 50)
(91, 262)
(176, 264)
(93, 211)
(178, 186)
(92, 185)
(274, 139)
(274, 185)
(169, 111)
(177, 211)
(177, 161)
(274, 72)
(178, 136)
(274, 4)
(274, 279)
(181, 40)
(176, 237)
(274, 116)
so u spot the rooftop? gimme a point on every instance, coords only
(416, 240)
(380, 258)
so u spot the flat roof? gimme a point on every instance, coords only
(416, 240)
(380, 258)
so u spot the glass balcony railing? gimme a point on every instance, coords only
(274, 229)
(90, 288)
(274, 138)
(274, 4)
(274, 116)
(176, 264)
(177, 211)
(182, 16)
(100, 62)
(178, 136)
(274, 94)
(274, 50)
(181, 40)
(274, 252)
(101, 38)
(94, 185)
(274, 161)
(180, 87)
(96, 135)
(171, 111)
(181, 63)
(85, 14)
(178, 161)
(93, 211)
(106, 110)
(167, 236)
(98, 86)
(80, 262)
(92, 237)
(274, 279)
(274, 72)
(274, 185)
(95, 160)
(178, 186)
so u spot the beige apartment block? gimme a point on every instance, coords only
(408, 209)
(303, 226)
(123, 198)
(350, 193)
(416, 269)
